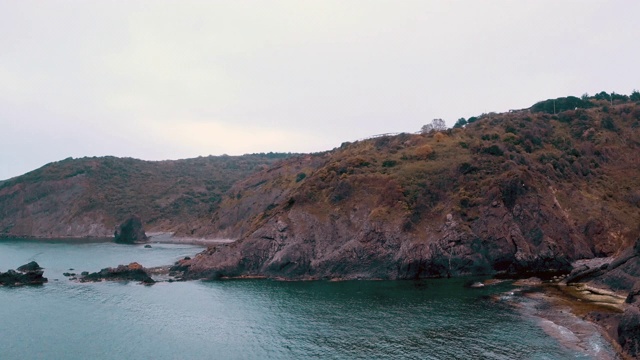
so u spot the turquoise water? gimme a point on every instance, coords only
(249, 319)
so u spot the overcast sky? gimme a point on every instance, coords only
(175, 79)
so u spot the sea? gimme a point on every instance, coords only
(252, 319)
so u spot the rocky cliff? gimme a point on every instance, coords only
(521, 192)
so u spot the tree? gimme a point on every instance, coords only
(436, 124)
(439, 125)
(619, 97)
(635, 96)
(460, 123)
(603, 96)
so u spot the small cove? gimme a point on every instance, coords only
(250, 319)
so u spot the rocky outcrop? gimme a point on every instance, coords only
(130, 231)
(363, 240)
(131, 272)
(622, 275)
(28, 274)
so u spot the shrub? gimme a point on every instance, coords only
(341, 192)
(460, 123)
(512, 189)
(554, 106)
(607, 123)
(423, 152)
(493, 150)
(466, 168)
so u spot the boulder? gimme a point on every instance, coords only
(32, 266)
(27, 274)
(130, 231)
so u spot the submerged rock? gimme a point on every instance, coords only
(131, 272)
(27, 274)
(130, 231)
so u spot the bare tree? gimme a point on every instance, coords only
(436, 124)
(439, 125)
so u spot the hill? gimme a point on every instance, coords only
(521, 192)
(87, 197)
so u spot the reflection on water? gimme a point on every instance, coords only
(250, 319)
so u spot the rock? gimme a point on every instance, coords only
(147, 246)
(582, 274)
(629, 332)
(28, 274)
(32, 266)
(532, 281)
(130, 231)
(621, 275)
(633, 294)
(131, 272)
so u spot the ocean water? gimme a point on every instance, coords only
(250, 319)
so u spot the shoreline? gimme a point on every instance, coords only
(562, 312)
(168, 238)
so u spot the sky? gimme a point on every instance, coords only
(161, 80)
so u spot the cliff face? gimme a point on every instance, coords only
(88, 197)
(518, 192)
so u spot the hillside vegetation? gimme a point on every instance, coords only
(524, 191)
(89, 196)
